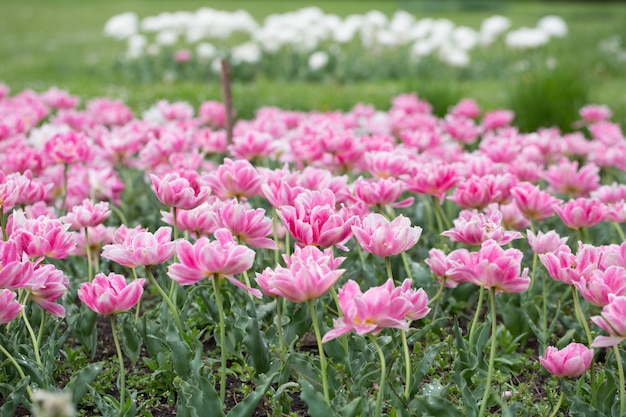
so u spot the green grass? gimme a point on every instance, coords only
(47, 43)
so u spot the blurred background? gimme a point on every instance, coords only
(325, 55)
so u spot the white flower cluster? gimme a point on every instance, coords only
(310, 31)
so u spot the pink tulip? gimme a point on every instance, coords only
(466, 108)
(595, 113)
(497, 118)
(534, 203)
(142, 248)
(545, 242)
(474, 228)
(571, 361)
(418, 299)
(569, 268)
(381, 192)
(608, 194)
(309, 274)
(180, 192)
(212, 113)
(379, 236)
(613, 321)
(46, 286)
(581, 212)
(41, 236)
(15, 270)
(314, 220)
(9, 307)
(252, 144)
(494, 267)
(370, 312)
(9, 192)
(597, 288)
(250, 226)
(60, 99)
(565, 178)
(87, 214)
(68, 148)
(110, 294)
(433, 179)
(109, 112)
(201, 221)
(234, 179)
(221, 258)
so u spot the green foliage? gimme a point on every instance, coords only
(549, 98)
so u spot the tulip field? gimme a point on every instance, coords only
(394, 254)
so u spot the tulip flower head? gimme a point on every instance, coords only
(571, 361)
(110, 294)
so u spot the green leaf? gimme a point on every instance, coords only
(352, 408)
(198, 398)
(436, 407)
(316, 403)
(107, 405)
(131, 340)
(181, 355)
(15, 398)
(257, 348)
(247, 407)
(424, 365)
(79, 383)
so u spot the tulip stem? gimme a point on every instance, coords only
(138, 306)
(175, 232)
(220, 310)
(320, 348)
(279, 328)
(33, 338)
(407, 366)
(619, 231)
(3, 225)
(17, 367)
(388, 266)
(383, 371)
(405, 261)
(479, 306)
(583, 322)
(492, 352)
(557, 407)
(620, 370)
(171, 305)
(122, 376)
(88, 252)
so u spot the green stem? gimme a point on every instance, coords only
(220, 310)
(383, 372)
(275, 234)
(544, 319)
(122, 376)
(171, 305)
(33, 338)
(532, 274)
(436, 210)
(388, 266)
(438, 297)
(619, 231)
(492, 353)
(407, 268)
(279, 328)
(407, 366)
(479, 306)
(118, 212)
(18, 368)
(66, 168)
(620, 370)
(3, 225)
(172, 291)
(583, 322)
(42, 322)
(138, 306)
(557, 407)
(88, 252)
(320, 347)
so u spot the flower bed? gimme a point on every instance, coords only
(362, 263)
(311, 44)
